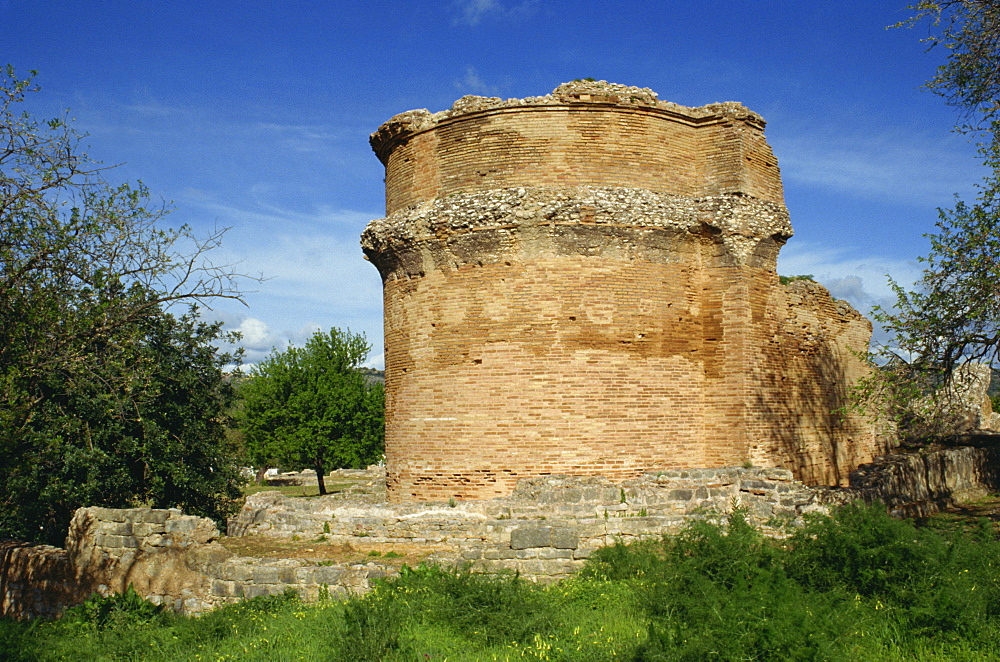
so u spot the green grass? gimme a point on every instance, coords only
(858, 586)
(308, 489)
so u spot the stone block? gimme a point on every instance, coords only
(328, 575)
(158, 540)
(142, 529)
(108, 514)
(182, 525)
(547, 553)
(543, 535)
(254, 591)
(226, 589)
(119, 541)
(116, 528)
(154, 516)
(266, 575)
(232, 572)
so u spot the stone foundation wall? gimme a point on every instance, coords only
(920, 484)
(549, 526)
(545, 530)
(168, 557)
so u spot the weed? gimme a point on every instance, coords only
(117, 610)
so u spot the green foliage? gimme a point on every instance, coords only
(374, 629)
(488, 609)
(937, 584)
(119, 610)
(106, 398)
(312, 407)
(969, 79)
(953, 314)
(785, 280)
(857, 585)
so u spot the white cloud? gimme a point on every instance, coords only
(255, 334)
(471, 12)
(858, 277)
(300, 137)
(894, 166)
(377, 362)
(315, 274)
(473, 83)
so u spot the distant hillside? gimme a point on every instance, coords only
(374, 375)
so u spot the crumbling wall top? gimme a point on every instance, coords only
(572, 93)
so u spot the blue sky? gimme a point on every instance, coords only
(256, 115)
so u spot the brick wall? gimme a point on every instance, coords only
(562, 140)
(584, 283)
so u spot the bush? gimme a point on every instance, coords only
(490, 609)
(120, 610)
(373, 630)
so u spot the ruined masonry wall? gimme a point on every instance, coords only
(545, 530)
(169, 558)
(584, 283)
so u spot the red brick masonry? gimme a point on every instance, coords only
(584, 283)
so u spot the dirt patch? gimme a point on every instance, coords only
(323, 551)
(967, 516)
(988, 508)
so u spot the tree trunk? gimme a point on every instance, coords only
(319, 479)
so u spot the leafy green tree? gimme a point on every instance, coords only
(106, 398)
(969, 79)
(312, 406)
(953, 314)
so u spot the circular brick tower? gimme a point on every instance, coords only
(579, 283)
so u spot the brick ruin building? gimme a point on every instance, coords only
(584, 283)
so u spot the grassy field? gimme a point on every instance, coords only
(858, 586)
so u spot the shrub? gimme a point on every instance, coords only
(373, 630)
(491, 609)
(120, 610)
